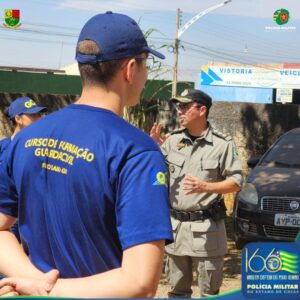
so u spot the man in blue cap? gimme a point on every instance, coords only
(91, 189)
(22, 112)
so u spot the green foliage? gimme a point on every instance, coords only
(137, 115)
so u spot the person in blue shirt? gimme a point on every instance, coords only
(90, 190)
(22, 112)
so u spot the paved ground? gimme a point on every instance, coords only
(232, 269)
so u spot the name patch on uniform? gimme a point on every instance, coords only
(159, 178)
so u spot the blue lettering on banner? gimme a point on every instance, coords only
(290, 73)
(235, 71)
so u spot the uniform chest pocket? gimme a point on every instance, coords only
(175, 162)
(209, 170)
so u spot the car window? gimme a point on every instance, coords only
(285, 152)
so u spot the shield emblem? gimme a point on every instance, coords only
(12, 18)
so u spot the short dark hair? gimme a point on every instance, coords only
(99, 73)
(11, 120)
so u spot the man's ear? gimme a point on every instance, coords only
(203, 109)
(18, 120)
(130, 71)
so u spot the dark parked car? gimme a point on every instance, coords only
(268, 206)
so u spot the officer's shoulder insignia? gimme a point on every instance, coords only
(177, 131)
(221, 135)
(180, 145)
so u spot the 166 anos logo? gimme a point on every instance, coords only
(257, 263)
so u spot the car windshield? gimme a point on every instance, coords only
(285, 153)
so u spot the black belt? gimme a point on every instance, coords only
(186, 216)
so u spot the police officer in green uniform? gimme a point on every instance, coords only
(203, 165)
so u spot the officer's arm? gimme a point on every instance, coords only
(137, 277)
(223, 187)
(230, 169)
(194, 185)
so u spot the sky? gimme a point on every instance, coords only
(241, 31)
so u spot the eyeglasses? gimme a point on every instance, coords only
(151, 63)
(179, 106)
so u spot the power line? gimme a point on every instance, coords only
(235, 39)
(42, 32)
(34, 40)
(239, 33)
(230, 53)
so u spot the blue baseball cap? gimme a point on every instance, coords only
(24, 105)
(117, 35)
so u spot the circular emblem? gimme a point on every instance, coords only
(273, 263)
(172, 169)
(281, 16)
(294, 205)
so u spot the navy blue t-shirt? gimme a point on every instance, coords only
(85, 185)
(3, 147)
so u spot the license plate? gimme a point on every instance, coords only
(287, 220)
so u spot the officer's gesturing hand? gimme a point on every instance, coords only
(194, 185)
(155, 133)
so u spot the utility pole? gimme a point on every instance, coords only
(180, 30)
(176, 49)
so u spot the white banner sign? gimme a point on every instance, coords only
(284, 95)
(250, 77)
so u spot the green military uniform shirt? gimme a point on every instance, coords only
(210, 158)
